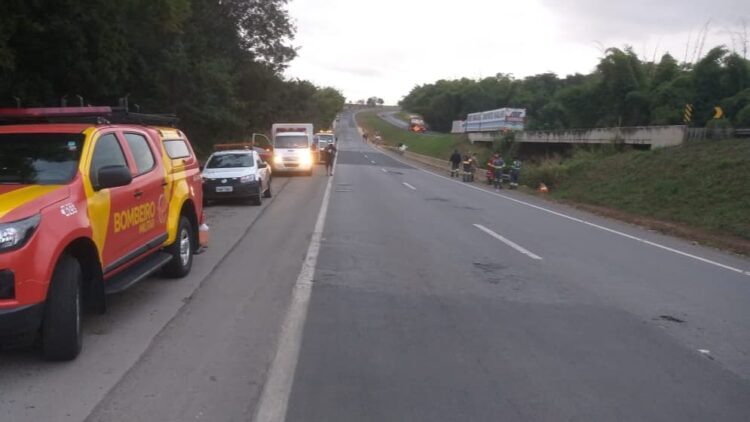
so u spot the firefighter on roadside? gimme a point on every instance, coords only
(455, 163)
(497, 166)
(470, 165)
(515, 172)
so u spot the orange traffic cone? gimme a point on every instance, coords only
(543, 188)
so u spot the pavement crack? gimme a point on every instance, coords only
(670, 318)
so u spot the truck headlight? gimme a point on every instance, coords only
(15, 234)
(277, 159)
(306, 159)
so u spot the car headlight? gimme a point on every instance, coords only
(306, 159)
(247, 179)
(14, 235)
(277, 159)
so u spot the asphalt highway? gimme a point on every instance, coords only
(390, 293)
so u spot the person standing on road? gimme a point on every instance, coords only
(330, 156)
(473, 164)
(468, 168)
(497, 166)
(455, 163)
(515, 172)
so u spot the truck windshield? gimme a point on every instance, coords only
(230, 161)
(291, 142)
(326, 138)
(39, 158)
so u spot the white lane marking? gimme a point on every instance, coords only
(366, 156)
(409, 186)
(372, 162)
(274, 399)
(588, 223)
(384, 170)
(509, 242)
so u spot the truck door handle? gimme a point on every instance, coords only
(138, 193)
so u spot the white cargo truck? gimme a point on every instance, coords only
(292, 147)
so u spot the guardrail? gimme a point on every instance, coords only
(702, 133)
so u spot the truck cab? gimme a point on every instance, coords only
(292, 146)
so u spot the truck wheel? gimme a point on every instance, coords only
(181, 251)
(257, 200)
(61, 329)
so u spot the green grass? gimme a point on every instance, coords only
(705, 185)
(439, 146)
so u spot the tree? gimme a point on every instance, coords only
(743, 117)
(217, 64)
(623, 90)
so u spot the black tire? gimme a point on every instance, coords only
(181, 251)
(62, 337)
(267, 193)
(257, 200)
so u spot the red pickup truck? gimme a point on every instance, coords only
(88, 207)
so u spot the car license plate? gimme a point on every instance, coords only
(222, 189)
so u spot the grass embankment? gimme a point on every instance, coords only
(704, 185)
(439, 146)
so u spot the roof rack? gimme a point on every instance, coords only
(94, 115)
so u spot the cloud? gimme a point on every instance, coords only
(387, 47)
(604, 21)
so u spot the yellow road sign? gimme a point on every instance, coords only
(688, 115)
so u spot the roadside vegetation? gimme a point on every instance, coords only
(703, 184)
(623, 90)
(217, 65)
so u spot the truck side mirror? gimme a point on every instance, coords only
(113, 176)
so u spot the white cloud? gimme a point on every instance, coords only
(385, 48)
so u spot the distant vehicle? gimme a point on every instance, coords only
(416, 124)
(496, 120)
(88, 207)
(236, 174)
(292, 146)
(322, 140)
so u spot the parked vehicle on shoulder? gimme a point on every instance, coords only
(88, 209)
(237, 174)
(292, 147)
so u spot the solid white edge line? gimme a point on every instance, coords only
(409, 186)
(588, 223)
(274, 399)
(509, 242)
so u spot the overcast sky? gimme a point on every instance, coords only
(386, 47)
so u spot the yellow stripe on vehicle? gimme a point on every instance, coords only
(14, 199)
